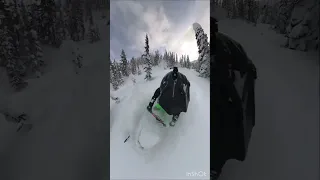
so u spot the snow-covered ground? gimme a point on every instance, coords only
(285, 140)
(183, 153)
(70, 117)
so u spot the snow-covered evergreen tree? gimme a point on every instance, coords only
(146, 56)
(156, 58)
(138, 62)
(34, 51)
(188, 62)
(176, 60)
(113, 78)
(171, 59)
(77, 29)
(46, 22)
(283, 13)
(66, 19)
(241, 8)
(124, 63)
(181, 62)
(227, 4)
(251, 11)
(93, 32)
(298, 20)
(30, 50)
(59, 24)
(204, 51)
(303, 28)
(234, 12)
(10, 60)
(133, 66)
(119, 76)
(10, 24)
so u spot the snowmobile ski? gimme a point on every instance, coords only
(158, 119)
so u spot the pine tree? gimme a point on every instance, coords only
(283, 16)
(66, 19)
(77, 29)
(59, 25)
(156, 58)
(34, 52)
(119, 74)
(9, 44)
(30, 47)
(188, 62)
(93, 33)
(241, 8)
(204, 51)
(113, 78)
(133, 66)
(228, 7)
(233, 9)
(10, 60)
(171, 59)
(176, 59)
(147, 60)
(139, 71)
(124, 64)
(46, 22)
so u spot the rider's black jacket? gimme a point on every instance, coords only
(173, 94)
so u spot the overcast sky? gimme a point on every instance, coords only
(168, 24)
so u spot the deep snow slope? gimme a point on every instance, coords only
(70, 117)
(184, 150)
(285, 140)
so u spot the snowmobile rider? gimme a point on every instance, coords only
(173, 94)
(232, 104)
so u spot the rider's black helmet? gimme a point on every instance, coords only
(175, 73)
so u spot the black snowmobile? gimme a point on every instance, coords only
(232, 102)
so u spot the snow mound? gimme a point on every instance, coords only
(148, 139)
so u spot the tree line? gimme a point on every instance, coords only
(26, 28)
(123, 68)
(297, 20)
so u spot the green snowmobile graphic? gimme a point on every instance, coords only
(160, 114)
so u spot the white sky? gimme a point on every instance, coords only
(168, 24)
